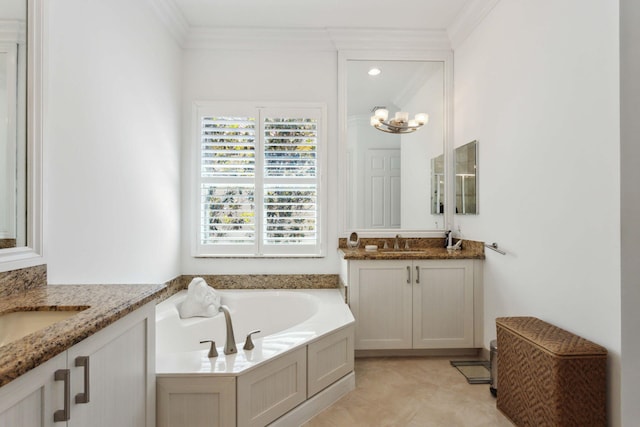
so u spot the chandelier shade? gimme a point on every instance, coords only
(400, 123)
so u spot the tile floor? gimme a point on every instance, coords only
(413, 392)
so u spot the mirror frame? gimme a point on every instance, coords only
(32, 253)
(445, 56)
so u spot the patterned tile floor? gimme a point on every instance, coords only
(424, 392)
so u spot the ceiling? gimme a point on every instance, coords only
(339, 14)
(401, 14)
(397, 80)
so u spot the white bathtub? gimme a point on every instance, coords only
(306, 331)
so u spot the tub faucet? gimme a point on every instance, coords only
(230, 343)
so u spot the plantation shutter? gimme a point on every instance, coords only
(291, 209)
(227, 148)
(259, 181)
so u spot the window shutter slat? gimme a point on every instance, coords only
(290, 146)
(291, 214)
(227, 146)
(228, 214)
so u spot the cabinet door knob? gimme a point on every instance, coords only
(63, 414)
(408, 274)
(83, 361)
(417, 274)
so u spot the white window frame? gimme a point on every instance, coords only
(257, 249)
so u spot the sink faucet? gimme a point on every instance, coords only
(230, 343)
(396, 243)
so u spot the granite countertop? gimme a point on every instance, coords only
(419, 248)
(106, 304)
(410, 254)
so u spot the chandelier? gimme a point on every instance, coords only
(399, 124)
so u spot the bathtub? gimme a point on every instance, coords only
(301, 363)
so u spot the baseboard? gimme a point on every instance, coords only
(318, 403)
(450, 352)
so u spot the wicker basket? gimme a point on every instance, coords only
(548, 376)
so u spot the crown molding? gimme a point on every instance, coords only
(258, 39)
(172, 18)
(323, 39)
(328, 39)
(468, 19)
(388, 39)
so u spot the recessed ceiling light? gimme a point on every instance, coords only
(374, 71)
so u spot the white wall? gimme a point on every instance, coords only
(111, 144)
(537, 84)
(630, 207)
(261, 75)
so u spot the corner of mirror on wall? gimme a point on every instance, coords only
(21, 50)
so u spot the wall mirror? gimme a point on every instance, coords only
(20, 132)
(466, 179)
(387, 177)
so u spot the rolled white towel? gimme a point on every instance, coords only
(202, 300)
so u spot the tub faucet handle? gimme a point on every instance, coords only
(248, 344)
(213, 352)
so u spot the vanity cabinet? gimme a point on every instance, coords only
(29, 400)
(419, 304)
(112, 370)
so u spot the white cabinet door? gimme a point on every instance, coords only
(272, 389)
(121, 381)
(425, 304)
(121, 377)
(380, 299)
(196, 401)
(32, 399)
(329, 359)
(443, 304)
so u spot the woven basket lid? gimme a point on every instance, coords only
(550, 338)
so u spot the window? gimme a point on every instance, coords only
(258, 174)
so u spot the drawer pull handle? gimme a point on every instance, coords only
(83, 361)
(63, 414)
(408, 274)
(417, 274)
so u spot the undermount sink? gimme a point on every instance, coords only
(18, 324)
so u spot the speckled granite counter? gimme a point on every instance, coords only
(426, 253)
(107, 303)
(257, 281)
(418, 249)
